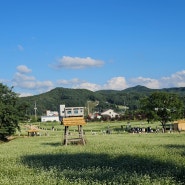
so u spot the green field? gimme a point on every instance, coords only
(117, 158)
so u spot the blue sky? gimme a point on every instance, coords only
(91, 44)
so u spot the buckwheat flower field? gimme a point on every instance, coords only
(117, 158)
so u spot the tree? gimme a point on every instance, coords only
(162, 106)
(9, 114)
(22, 111)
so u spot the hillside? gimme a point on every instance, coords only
(79, 97)
(52, 99)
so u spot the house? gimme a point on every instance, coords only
(110, 113)
(50, 116)
(51, 113)
(94, 115)
(64, 112)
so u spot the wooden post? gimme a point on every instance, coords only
(66, 132)
(82, 135)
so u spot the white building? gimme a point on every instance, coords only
(49, 118)
(71, 111)
(51, 113)
(64, 112)
(110, 113)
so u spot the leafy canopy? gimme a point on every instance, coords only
(9, 114)
(163, 107)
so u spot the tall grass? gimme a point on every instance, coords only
(118, 158)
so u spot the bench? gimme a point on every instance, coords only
(73, 121)
(33, 132)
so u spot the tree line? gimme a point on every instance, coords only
(152, 105)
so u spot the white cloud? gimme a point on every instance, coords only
(87, 85)
(44, 84)
(147, 82)
(180, 84)
(116, 83)
(79, 84)
(25, 94)
(21, 80)
(19, 77)
(121, 83)
(23, 69)
(175, 80)
(69, 82)
(28, 84)
(4, 81)
(78, 63)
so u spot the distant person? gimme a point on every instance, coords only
(53, 128)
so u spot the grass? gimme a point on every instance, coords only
(118, 158)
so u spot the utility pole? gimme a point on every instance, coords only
(88, 111)
(35, 108)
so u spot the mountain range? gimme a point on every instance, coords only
(129, 97)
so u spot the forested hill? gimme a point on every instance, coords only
(52, 99)
(78, 97)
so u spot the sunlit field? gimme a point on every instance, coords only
(116, 158)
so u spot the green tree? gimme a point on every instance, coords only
(23, 115)
(162, 106)
(9, 114)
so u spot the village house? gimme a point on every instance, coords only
(50, 116)
(110, 113)
(64, 112)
